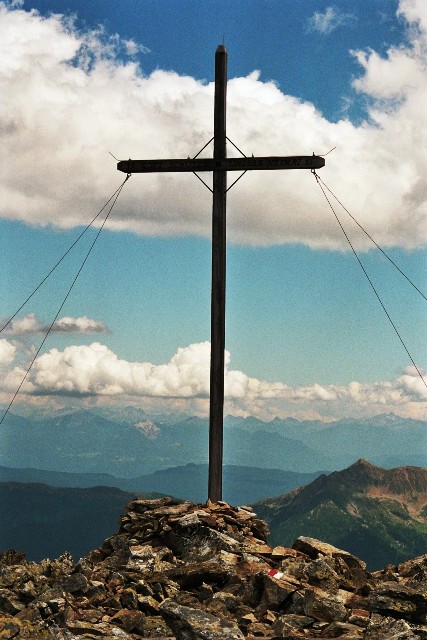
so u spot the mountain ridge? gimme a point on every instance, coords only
(135, 444)
(241, 484)
(361, 507)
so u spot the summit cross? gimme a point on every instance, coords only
(219, 165)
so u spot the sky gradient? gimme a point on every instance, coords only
(306, 336)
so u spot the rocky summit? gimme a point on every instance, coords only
(203, 572)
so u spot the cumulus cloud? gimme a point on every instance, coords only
(7, 352)
(95, 370)
(73, 97)
(83, 325)
(332, 18)
(415, 11)
(30, 325)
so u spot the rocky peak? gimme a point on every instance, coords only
(401, 481)
(201, 572)
(361, 473)
(365, 477)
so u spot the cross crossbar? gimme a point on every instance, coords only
(219, 165)
(224, 164)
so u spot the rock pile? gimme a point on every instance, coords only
(205, 572)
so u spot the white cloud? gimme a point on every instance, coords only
(332, 18)
(83, 325)
(7, 352)
(27, 325)
(30, 325)
(72, 99)
(133, 48)
(95, 370)
(415, 12)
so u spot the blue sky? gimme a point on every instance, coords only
(305, 335)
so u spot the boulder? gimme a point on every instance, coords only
(322, 606)
(196, 624)
(399, 601)
(388, 628)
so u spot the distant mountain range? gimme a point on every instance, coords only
(129, 443)
(241, 485)
(379, 515)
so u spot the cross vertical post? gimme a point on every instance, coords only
(216, 412)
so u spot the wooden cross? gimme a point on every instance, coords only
(219, 165)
